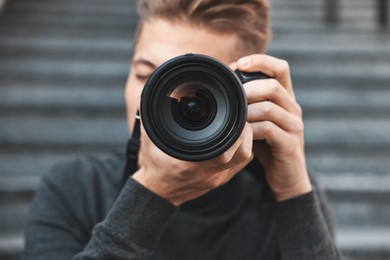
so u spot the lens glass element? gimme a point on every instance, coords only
(193, 109)
(193, 105)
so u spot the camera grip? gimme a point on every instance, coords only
(249, 76)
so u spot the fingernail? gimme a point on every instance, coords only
(244, 61)
(233, 65)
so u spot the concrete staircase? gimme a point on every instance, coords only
(342, 80)
(63, 67)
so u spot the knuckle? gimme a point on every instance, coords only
(247, 154)
(225, 158)
(299, 110)
(215, 183)
(244, 155)
(266, 108)
(284, 66)
(228, 156)
(267, 127)
(274, 87)
(298, 126)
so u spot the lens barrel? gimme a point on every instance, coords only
(193, 107)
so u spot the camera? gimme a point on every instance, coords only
(194, 108)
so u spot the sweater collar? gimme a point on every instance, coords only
(231, 195)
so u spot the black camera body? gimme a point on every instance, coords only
(194, 108)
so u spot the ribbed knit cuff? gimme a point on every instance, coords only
(300, 223)
(140, 216)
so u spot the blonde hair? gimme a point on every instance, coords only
(248, 19)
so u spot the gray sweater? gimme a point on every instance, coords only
(87, 209)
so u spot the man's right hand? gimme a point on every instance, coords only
(180, 181)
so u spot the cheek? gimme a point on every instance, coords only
(133, 92)
(132, 97)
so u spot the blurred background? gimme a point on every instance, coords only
(63, 67)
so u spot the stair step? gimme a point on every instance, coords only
(36, 130)
(360, 210)
(377, 69)
(11, 246)
(18, 187)
(356, 183)
(64, 20)
(340, 56)
(371, 239)
(354, 133)
(76, 32)
(344, 102)
(335, 79)
(62, 97)
(339, 160)
(75, 2)
(333, 39)
(37, 47)
(72, 68)
(305, 27)
(38, 8)
(30, 164)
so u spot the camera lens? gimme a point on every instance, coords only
(193, 106)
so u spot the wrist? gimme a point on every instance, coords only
(150, 182)
(301, 187)
(162, 187)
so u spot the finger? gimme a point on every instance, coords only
(233, 66)
(244, 151)
(271, 133)
(228, 174)
(271, 66)
(271, 90)
(148, 149)
(268, 111)
(240, 152)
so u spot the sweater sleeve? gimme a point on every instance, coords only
(64, 213)
(126, 234)
(303, 230)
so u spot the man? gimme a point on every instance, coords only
(255, 201)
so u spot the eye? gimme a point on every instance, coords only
(141, 77)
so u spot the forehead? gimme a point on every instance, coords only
(160, 40)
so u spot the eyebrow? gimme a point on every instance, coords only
(144, 62)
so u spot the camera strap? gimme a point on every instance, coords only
(132, 149)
